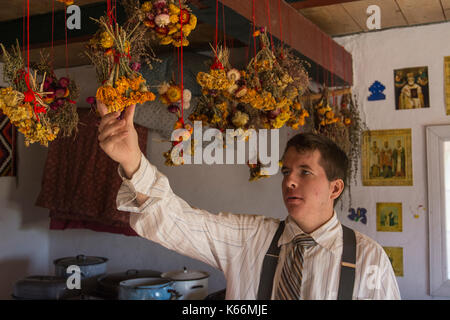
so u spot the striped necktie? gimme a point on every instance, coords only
(291, 275)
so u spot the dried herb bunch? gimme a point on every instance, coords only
(116, 53)
(342, 124)
(166, 21)
(23, 102)
(62, 99)
(264, 95)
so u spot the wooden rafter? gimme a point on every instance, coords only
(300, 34)
(316, 3)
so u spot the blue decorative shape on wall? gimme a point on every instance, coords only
(377, 89)
(359, 215)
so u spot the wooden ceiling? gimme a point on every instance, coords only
(341, 17)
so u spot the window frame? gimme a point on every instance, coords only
(436, 135)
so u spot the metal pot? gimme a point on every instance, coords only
(42, 288)
(90, 268)
(192, 285)
(108, 284)
(147, 289)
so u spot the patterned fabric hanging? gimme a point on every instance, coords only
(8, 150)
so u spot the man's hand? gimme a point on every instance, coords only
(119, 139)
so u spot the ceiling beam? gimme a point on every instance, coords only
(300, 34)
(315, 3)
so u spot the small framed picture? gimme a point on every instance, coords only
(389, 216)
(411, 88)
(386, 158)
(395, 255)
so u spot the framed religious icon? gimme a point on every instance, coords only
(386, 158)
(395, 255)
(447, 84)
(411, 88)
(389, 216)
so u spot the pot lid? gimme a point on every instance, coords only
(185, 275)
(113, 279)
(79, 260)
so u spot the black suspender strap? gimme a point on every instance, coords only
(269, 266)
(348, 261)
(347, 279)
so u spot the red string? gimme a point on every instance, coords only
(223, 21)
(247, 50)
(23, 29)
(28, 36)
(30, 94)
(217, 26)
(254, 27)
(279, 21)
(281, 26)
(270, 23)
(115, 11)
(181, 57)
(53, 31)
(67, 48)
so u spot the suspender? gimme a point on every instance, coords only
(348, 260)
(348, 264)
(269, 265)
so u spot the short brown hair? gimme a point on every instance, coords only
(332, 158)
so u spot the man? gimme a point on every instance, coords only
(310, 244)
(411, 96)
(386, 160)
(374, 161)
(399, 159)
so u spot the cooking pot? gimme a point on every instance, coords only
(147, 289)
(108, 284)
(90, 269)
(191, 285)
(42, 288)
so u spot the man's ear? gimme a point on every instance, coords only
(337, 187)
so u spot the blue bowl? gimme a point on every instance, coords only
(146, 289)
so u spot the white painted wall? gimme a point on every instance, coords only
(27, 247)
(375, 56)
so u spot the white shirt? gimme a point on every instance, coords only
(237, 243)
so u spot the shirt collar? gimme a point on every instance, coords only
(324, 236)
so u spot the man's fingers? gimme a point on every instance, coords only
(111, 130)
(108, 119)
(129, 113)
(101, 107)
(111, 140)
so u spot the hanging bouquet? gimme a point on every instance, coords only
(176, 100)
(116, 53)
(26, 103)
(170, 94)
(341, 122)
(63, 93)
(264, 95)
(167, 21)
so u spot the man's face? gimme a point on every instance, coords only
(399, 143)
(307, 193)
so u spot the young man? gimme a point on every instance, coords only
(310, 254)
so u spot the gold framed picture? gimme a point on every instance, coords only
(386, 158)
(447, 84)
(411, 88)
(389, 216)
(395, 255)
